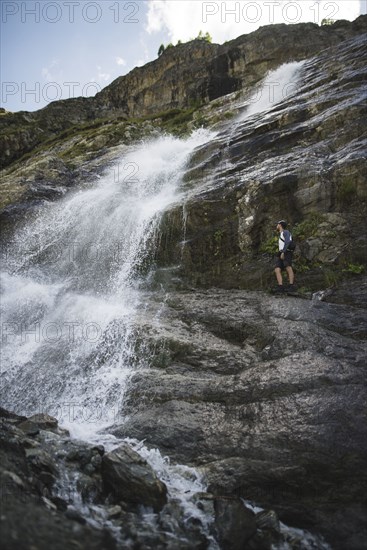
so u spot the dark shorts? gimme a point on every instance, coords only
(287, 262)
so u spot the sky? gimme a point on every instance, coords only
(58, 49)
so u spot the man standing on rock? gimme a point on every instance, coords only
(284, 259)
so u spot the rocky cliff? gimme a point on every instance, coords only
(186, 75)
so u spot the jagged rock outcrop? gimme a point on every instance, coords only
(266, 396)
(129, 478)
(56, 492)
(188, 74)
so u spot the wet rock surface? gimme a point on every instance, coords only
(266, 395)
(129, 478)
(32, 512)
(58, 492)
(304, 161)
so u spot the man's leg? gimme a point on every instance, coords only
(290, 274)
(278, 274)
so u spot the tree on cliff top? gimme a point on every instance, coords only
(328, 22)
(201, 36)
(206, 37)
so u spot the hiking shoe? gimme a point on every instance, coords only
(278, 289)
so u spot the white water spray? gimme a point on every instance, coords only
(71, 294)
(277, 86)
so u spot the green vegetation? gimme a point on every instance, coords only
(356, 269)
(346, 191)
(327, 21)
(201, 36)
(270, 246)
(332, 275)
(309, 227)
(206, 37)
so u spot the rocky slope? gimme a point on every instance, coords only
(63, 493)
(266, 396)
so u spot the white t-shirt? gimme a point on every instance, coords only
(284, 239)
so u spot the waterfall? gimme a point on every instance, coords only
(70, 293)
(71, 301)
(277, 86)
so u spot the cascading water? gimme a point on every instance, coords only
(71, 290)
(70, 299)
(277, 86)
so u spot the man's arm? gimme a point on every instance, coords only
(287, 240)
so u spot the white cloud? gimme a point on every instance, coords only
(102, 77)
(225, 20)
(120, 61)
(52, 73)
(144, 51)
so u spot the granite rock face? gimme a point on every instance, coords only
(266, 396)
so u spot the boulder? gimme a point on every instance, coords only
(129, 478)
(42, 421)
(235, 523)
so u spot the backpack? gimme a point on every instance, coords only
(292, 245)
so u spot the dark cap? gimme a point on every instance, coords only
(283, 223)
